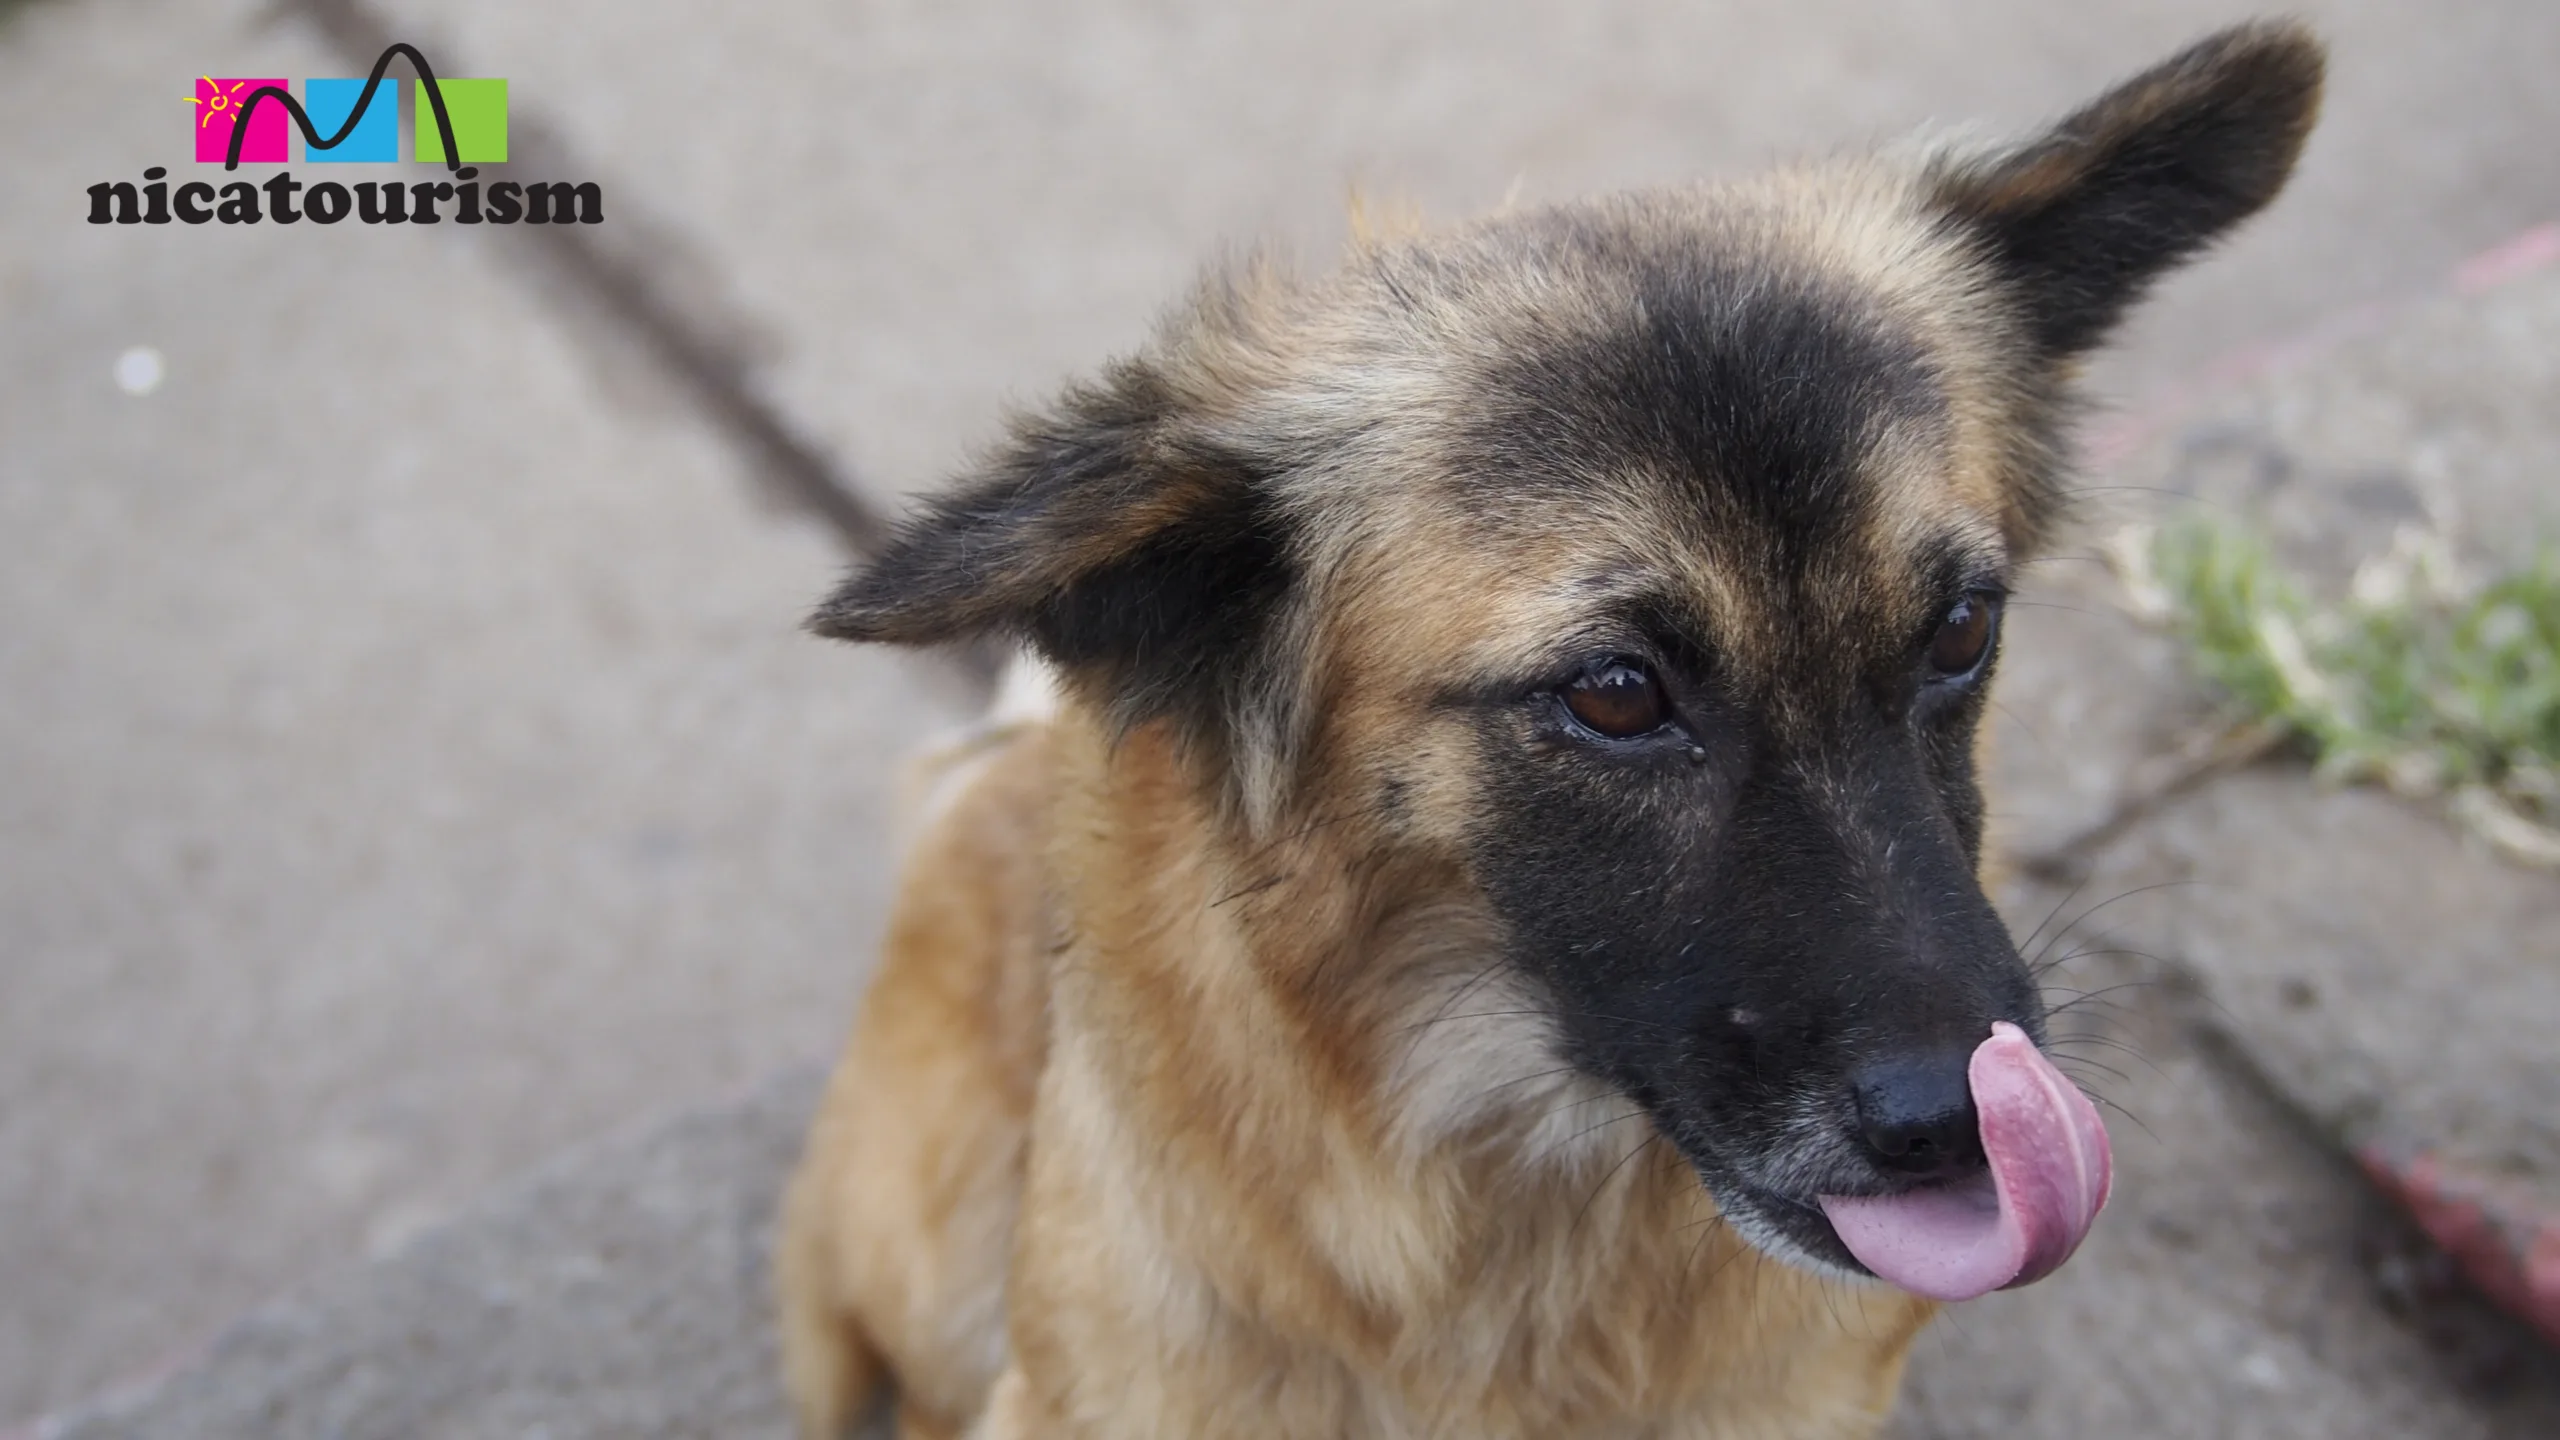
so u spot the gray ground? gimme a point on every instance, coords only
(410, 767)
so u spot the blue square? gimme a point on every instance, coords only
(376, 138)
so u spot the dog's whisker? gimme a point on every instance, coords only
(1533, 1075)
(2131, 1052)
(2097, 997)
(1619, 1119)
(2058, 907)
(1587, 1201)
(2071, 1063)
(2098, 947)
(1491, 968)
(2137, 1120)
(2137, 891)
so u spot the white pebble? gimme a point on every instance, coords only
(2262, 1370)
(138, 370)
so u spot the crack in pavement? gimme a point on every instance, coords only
(616, 277)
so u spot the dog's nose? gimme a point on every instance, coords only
(1917, 1115)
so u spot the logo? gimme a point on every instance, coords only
(459, 124)
(220, 104)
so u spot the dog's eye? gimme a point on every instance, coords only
(1619, 699)
(1963, 636)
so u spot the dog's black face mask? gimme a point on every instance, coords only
(1733, 829)
(1767, 933)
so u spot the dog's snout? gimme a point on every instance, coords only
(1916, 1115)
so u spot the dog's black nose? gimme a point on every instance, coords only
(1917, 1115)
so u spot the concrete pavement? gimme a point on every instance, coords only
(2395, 978)
(411, 763)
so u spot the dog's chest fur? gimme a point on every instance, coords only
(1335, 1255)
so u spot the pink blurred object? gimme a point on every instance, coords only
(2502, 1233)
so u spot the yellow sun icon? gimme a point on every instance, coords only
(221, 103)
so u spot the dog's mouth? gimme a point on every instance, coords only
(2048, 1173)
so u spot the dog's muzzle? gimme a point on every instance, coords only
(2049, 1171)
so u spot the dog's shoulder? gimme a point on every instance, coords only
(953, 764)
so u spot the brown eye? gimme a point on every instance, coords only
(1962, 637)
(1620, 700)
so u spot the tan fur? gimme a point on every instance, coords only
(902, 1213)
(1234, 1194)
(1193, 1097)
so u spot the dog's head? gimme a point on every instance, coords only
(1645, 559)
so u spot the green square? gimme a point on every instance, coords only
(478, 109)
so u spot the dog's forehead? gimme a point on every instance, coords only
(1734, 425)
(1753, 381)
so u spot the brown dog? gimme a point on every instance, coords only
(1486, 941)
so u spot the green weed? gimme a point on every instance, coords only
(2421, 678)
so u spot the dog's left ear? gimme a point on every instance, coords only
(2083, 219)
(1133, 553)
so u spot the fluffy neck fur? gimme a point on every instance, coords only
(1348, 1150)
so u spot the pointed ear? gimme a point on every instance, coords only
(2082, 220)
(1105, 532)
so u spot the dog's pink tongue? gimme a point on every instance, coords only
(2050, 1172)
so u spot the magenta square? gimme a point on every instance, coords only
(217, 109)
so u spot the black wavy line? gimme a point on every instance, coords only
(311, 133)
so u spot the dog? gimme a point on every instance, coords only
(1472, 923)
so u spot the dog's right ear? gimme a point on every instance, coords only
(1105, 531)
